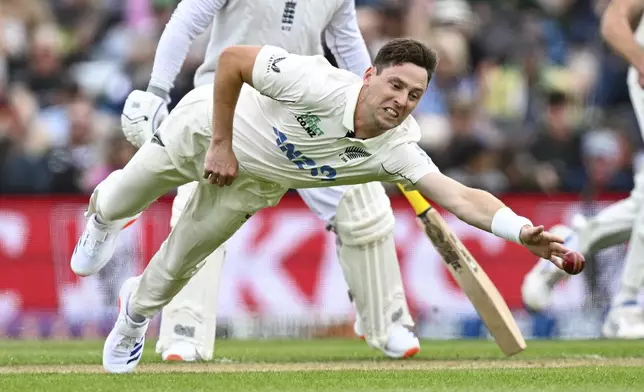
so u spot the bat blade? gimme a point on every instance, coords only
(469, 275)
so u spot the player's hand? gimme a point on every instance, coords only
(543, 243)
(220, 165)
(142, 115)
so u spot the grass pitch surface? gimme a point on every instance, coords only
(332, 365)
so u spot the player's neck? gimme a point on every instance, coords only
(363, 125)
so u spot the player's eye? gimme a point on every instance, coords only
(413, 97)
(396, 86)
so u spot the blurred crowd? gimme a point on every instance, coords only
(526, 98)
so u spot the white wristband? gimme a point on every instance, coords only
(506, 224)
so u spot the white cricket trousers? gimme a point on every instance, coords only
(211, 215)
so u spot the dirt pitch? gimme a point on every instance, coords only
(228, 367)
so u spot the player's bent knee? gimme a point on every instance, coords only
(364, 215)
(111, 206)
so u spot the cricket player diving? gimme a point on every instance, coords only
(241, 140)
(621, 221)
(365, 241)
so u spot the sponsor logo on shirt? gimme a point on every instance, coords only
(310, 124)
(354, 152)
(274, 62)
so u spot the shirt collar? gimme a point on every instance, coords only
(351, 94)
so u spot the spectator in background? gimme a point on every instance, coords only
(556, 148)
(22, 145)
(44, 65)
(606, 163)
(477, 166)
(68, 162)
(117, 154)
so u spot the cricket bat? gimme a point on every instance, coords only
(469, 275)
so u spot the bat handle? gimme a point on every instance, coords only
(417, 201)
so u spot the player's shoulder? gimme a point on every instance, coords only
(408, 131)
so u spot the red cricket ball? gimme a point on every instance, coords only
(573, 262)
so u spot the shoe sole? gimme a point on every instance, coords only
(174, 358)
(411, 352)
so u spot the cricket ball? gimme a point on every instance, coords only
(573, 262)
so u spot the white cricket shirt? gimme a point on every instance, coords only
(291, 129)
(295, 25)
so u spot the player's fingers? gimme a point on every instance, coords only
(552, 237)
(221, 180)
(557, 248)
(556, 261)
(207, 173)
(230, 179)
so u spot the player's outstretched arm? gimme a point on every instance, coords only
(483, 210)
(617, 30)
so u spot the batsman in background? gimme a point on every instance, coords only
(365, 244)
(621, 221)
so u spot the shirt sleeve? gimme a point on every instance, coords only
(344, 40)
(408, 162)
(189, 19)
(287, 77)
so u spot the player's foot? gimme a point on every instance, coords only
(181, 352)
(538, 285)
(625, 321)
(94, 248)
(402, 343)
(124, 345)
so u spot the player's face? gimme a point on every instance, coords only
(394, 93)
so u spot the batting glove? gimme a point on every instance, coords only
(142, 115)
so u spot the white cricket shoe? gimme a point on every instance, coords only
(124, 345)
(402, 343)
(625, 321)
(94, 248)
(181, 352)
(538, 284)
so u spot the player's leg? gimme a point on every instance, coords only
(612, 226)
(626, 317)
(189, 321)
(362, 218)
(211, 216)
(118, 200)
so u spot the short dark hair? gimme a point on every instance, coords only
(405, 50)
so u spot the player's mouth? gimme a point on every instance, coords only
(392, 113)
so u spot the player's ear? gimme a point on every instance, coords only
(369, 73)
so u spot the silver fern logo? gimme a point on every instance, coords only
(354, 152)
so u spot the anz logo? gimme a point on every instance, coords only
(354, 152)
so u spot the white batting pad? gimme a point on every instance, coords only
(364, 224)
